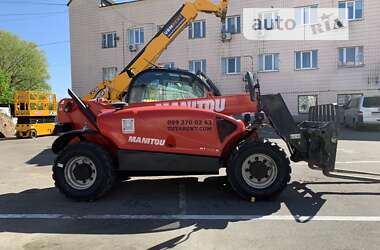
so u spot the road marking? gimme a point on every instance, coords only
(190, 217)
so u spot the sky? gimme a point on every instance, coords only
(46, 23)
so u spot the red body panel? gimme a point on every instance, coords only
(167, 129)
(228, 105)
(184, 127)
(75, 117)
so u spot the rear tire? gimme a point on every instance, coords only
(84, 171)
(259, 170)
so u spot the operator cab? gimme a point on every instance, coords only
(157, 84)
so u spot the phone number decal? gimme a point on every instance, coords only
(190, 125)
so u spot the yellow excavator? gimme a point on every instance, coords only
(115, 89)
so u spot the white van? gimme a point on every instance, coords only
(363, 110)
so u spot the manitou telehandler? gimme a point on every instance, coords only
(174, 122)
(185, 136)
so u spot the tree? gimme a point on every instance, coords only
(23, 64)
(5, 89)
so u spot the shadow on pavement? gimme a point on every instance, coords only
(358, 176)
(344, 134)
(43, 158)
(8, 138)
(347, 175)
(157, 197)
(355, 172)
(359, 135)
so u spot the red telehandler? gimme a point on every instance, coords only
(191, 130)
(174, 122)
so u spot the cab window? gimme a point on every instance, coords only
(161, 86)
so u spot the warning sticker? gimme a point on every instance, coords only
(173, 25)
(128, 126)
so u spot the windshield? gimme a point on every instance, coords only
(162, 86)
(371, 102)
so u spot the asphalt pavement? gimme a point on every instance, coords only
(195, 212)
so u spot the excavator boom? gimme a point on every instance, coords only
(114, 90)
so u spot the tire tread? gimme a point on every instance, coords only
(275, 148)
(108, 169)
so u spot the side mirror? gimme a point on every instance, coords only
(249, 78)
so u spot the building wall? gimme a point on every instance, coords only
(88, 22)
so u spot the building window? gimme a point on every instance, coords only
(307, 15)
(344, 99)
(351, 56)
(197, 29)
(305, 102)
(109, 40)
(267, 21)
(109, 73)
(232, 25)
(136, 36)
(351, 10)
(196, 66)
(268, 62)
(231, 65)
(167, 65)
(306, 59)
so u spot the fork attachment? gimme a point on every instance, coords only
(314, 141)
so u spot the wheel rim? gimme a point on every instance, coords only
(259, 171)
(80, 173)
(33, 134)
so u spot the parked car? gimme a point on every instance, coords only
(363, 110)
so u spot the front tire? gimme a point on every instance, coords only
(259, 170)
(33, 134)
(84, 171)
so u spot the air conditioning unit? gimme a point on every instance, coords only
(133, 48)
(226, 36)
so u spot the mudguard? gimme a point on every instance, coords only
(314, 141)
(61, 142)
